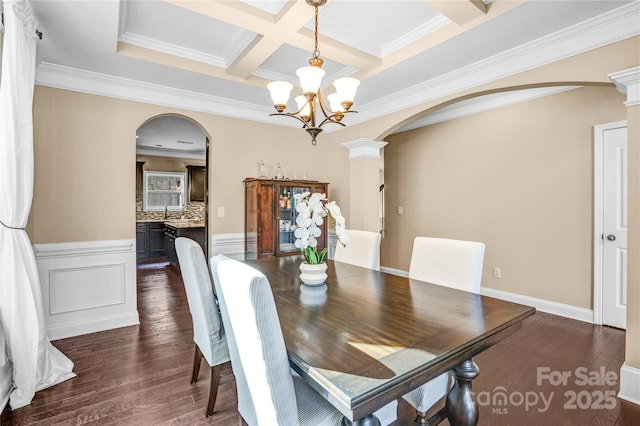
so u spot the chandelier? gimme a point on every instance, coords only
(310, 103)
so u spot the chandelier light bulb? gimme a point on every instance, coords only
(303, 106)
(346, 88)
(334, 102)
(280, 91)
(310, 78)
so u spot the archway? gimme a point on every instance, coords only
(172, 164)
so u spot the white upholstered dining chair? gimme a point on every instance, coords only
(268, 394)
(363, 249)
(208, 334)
(452, 263)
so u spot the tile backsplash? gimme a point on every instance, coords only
(194, 210)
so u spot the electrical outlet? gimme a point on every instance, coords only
(497, 272)
(400, 210)
(220, 211)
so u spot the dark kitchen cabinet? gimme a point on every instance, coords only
(139, 180)
(171, 232)
(149, 239)
(197, 182)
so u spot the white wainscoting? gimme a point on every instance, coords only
(87, 286)
(231, 245)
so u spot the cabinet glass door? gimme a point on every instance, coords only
(287, 217)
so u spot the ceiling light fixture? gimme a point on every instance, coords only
(310, 81)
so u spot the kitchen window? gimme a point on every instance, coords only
(163, 190)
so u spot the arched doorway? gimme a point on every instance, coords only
(171, 186)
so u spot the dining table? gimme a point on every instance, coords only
(365, 338)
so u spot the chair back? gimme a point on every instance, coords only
(362, 250)
(207, 324)
(266, 394)
(451, 263)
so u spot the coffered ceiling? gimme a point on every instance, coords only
(218, 56)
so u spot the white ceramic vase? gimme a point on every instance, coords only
(313, 275)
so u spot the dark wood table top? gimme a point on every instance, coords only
(368, 337)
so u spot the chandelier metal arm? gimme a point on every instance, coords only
(290, 114)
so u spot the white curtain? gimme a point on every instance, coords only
(36, 363)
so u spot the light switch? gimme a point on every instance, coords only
(220, 211)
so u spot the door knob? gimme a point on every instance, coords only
(611, 237)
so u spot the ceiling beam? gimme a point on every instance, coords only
(461, 11)
(273, 31)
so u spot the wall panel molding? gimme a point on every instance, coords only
(87, 286)
(231, 245)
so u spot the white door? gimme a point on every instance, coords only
(614, 268)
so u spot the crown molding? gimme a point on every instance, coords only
(172, 49)
(608, 28)
(183, 52)
(364, 148)
(67, 78)
(602, 30)
(628, 82)
(416, 34)
(482, 104)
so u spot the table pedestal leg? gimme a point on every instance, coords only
(369, 420)
(462, 409)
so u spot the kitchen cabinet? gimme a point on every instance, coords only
(270, 216)
(139, 181)
(178, 229)
(197, 182)
(149, 239)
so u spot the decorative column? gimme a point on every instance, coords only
(364, 184)
(628, 81)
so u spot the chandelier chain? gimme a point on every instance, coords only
(316, 52)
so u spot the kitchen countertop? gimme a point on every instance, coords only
(184, 223)
(176, 223)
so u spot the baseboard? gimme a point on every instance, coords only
(92, 326)
(392, 271)
(629, 384)
(560, 309)
(87, 286)
(542, 305)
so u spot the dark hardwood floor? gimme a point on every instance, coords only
(140, 375)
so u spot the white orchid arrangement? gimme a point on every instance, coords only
(312, 209)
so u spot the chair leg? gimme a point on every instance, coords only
(420, 418)
(213, 391)
(196, 365)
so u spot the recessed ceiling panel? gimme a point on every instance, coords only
(181, 32)
(378, 27)
(284, 62)
(271, 6)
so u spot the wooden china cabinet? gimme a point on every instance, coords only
(270, 216)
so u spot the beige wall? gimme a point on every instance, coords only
(84, 187)
(633, 274)
(518, 178)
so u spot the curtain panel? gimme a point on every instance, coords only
(37, 364)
